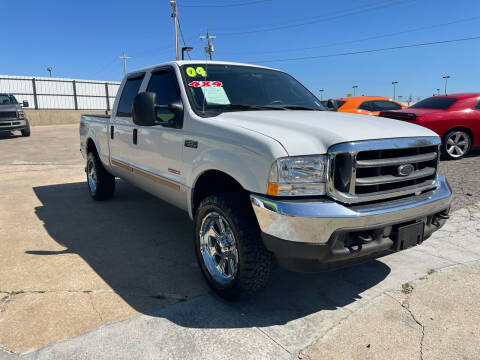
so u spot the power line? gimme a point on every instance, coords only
(183, 39)
(359, 10)
(228, 5)
(371, 50)
(365, 38)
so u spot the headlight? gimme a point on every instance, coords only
(297, 176)
(20, 114)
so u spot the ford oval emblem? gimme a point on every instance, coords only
(405, 169)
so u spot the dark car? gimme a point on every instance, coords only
(12, 117)
(455, 117)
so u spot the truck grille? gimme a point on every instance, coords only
(8, 114)
(381, 169)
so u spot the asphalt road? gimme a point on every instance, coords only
(82, 279)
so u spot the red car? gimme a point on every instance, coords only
(455, 117)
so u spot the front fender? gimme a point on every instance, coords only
(249, 169)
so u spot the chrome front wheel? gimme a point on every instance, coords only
(218, 248)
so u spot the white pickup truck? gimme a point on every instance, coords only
(264, 171)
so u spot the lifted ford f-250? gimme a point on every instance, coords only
(12, 117)
(264, 171)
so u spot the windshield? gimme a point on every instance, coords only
(439, 103)
(7, 99)
(218, 88)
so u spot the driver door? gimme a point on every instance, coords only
(159, 148)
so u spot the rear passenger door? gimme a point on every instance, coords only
(121, 127)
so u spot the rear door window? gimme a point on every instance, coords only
(477, 107)
(130, 90)
(439, 103)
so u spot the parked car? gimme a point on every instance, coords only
(264, 171)
(367, 105)
(455, 117)
(12, 117)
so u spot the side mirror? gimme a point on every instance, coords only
(25, 103)
(146, 112)
(143, 109)
(332, 105)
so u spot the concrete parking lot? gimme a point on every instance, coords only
(118, 279)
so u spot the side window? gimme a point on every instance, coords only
(384, 105)
(366, 105)
(379, 105)
(477, 107)
(163, 84)
(130, 90)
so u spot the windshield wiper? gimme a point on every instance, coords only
(243, 107)
(297, 107)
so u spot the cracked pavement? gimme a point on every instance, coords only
(118, 280)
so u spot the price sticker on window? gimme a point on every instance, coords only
(194, 72)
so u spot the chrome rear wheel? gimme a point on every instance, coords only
(457, 144)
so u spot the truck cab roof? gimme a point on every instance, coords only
(186, 62)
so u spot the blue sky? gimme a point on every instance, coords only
(83, 39)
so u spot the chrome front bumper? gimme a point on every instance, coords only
(12, 124)
(314, 222)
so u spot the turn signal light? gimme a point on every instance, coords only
(272, 189)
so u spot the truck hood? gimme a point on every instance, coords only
(313, 132)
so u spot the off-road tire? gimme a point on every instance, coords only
(105, 184)
(255, 262)
(26, 131)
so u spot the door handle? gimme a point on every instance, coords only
(111, 132)
(135, 136)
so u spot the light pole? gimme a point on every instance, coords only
(174, 15)
(354, 87)
(394, 83)
(186, 49)
(49, 69)
(446, 77)
(438, 91)
(321, 94)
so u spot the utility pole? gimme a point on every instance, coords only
(321, 94)
(209, 48)
(125, 62)
(394, 83)
(446, 77)
(354, 87)
(174, 15)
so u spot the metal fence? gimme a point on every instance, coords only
(59, 93)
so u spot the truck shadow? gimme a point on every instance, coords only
(9, 135)
(142, 248)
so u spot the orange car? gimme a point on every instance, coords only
(367, 105)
